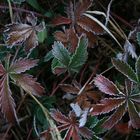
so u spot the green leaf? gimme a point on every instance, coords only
(61, 53)
(35, 4)
(80, 56)
(42, 35)
(125, 69)
(56, 64)
(138, 37)
(48, 56)
(137, 67)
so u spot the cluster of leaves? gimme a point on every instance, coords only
(74, 36)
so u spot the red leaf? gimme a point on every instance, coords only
(123, 128)
(2, 70)
(29, 84)
(115, 117)
(22, 65)
(59, 117)
(89, 25)
(60, 20)
(7, 104)
(107, 105)
(105, 85)
(85, 132)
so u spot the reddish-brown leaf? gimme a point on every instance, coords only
(22, 65)
(60, 20)
(7, 103)
(59, 117)
(106, 105)
(105, 85)
(2, 70)
(29, 84)
(123, 128)
(85, 132)
(115, 117)
(82, 7)
(89, 25)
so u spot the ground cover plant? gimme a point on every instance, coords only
(69, 70)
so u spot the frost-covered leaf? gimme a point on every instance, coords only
(125, 69)
(61, 53)
(28, 83)
(7, 103)
(130, 48)
(80, 56)
(134, 115)
(105, 85)
(106, 105)
(48, 56)
(76, 108)
(114, 118)
(18, 33)
(22, 65)
(57, 67)
(2, 70)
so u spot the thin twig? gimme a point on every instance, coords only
(23, 10)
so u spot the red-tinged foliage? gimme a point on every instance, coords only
(105, 85)
(86, 98)
(79, 24)
(123, 128)
(70, 124)
(60, 20)
(7, 103)
(121, 103)
(18, 33)
(22, 65)
(29, 84)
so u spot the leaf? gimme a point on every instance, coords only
(80, 55)
(130, 48)
(138, 37)
(137, 67)
(2, 70)
(7, 103)
(57, 67)
(106, 105)
(60, 20)
(42, 35)
(114, 118)
(22, 65)
(125, 69)
(18, 33)
(59, 117)
(17, 1)
(28, 83)
(134, 116)
(105, 85)
(48, 56)
(61, 53)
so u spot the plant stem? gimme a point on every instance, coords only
(10, 10)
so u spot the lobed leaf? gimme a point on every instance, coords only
(2, 69)
(28, 83)
(61, 53)
(105, 85)
(106, 105)
(134, 115)
(125, 69)
(22, 65)
(7, 103)
(115, 117)
(59, 117)
(80, 55)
